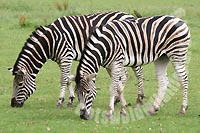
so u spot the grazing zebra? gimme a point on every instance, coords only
(62, 41)
(117, 44)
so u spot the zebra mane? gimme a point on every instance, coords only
(96, 67)
(35, 34)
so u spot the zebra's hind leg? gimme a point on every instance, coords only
(65, 65)
(113, 93)
(62, 95)
(179, 66)
(161, 73)
(139, 75)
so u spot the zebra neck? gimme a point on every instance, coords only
(34, 53)
(86, 69)
(30, 60)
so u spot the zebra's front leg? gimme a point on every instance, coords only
(120, 91)
(139, 75)
(161, 73)
(117, 98)
(113, 94)
(115, 75)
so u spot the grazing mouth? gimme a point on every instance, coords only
(83, 114)
(14, 103)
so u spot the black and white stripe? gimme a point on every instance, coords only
(62, 41)
(155, 39)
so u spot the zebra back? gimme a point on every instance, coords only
(136, 42)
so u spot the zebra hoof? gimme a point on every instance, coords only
(69, 105)
(108, 116)
(181, 113)
(59, 105)
(139, 103)
(183, 110)
(71, 99)
(152, 111)
(122, 113)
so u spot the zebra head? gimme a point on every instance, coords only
(23, 86)
(86, 93)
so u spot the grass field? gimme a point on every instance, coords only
(18, 18)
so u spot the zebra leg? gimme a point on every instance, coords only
(182, 75)
(115, 76)
(161, 73)
(113, 94)
(62, 95)
(71, 93)
(120, 91)
(117, 98)
(65, 81)
(139, 75)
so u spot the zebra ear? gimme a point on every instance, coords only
(91, 76)
(72, 77)
(10, 69)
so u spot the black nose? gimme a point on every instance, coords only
(14, 103)
(83, 114)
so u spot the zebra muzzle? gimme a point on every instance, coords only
(83, 114)
(14, 103)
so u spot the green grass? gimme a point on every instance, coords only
(40, 113)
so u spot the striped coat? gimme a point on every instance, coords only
(62, 41)
(117, 44)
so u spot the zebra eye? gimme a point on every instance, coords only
(88, 91)
(20, 83)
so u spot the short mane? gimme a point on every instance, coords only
(35, 34)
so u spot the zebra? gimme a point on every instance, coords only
(62, 41)
(120, 44)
